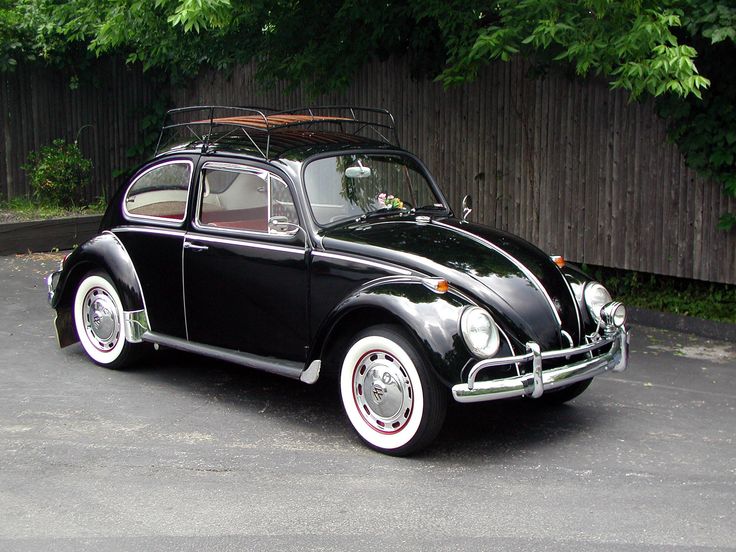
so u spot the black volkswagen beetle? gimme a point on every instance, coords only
(308, 243)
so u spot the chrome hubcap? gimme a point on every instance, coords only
(101, 319)
(383, 391)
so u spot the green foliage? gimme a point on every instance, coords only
(14, 37)
(666, 293)
(714, 20)
(150, 128)
(58, 174)
(705, 130)
(21, 208)
(632, 42)
(647, 47)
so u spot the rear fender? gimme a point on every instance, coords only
(107, 254)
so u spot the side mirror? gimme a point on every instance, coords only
(467, 206)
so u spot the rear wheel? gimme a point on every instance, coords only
(391, 398)
(98, 317)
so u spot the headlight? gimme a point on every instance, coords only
(614, 314)
(596, 297)
(479, 332)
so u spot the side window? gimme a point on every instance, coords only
(240, 200)
(161, 192)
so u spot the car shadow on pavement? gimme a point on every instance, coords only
(471, 431)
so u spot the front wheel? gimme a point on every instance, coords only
(391, 398)
(98, 317)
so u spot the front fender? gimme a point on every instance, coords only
(431, 318)
(104, 252)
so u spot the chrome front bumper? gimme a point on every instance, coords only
(535, 383)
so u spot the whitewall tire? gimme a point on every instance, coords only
(98, 318)
(391, 398)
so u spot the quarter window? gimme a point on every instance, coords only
(161, 192)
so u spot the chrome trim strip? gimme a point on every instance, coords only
(339, 257)
(534, 384)
(136, 324)
(287, 368)
(184, 292)
(574, 302)
(532, 278)
(149, 230)
(257, 245)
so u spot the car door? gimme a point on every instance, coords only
(245, 264)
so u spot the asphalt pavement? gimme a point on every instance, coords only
(185, 453)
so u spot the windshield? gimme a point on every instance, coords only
(352, 186)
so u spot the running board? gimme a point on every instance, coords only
(287, 368)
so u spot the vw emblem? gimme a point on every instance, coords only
(378, 392)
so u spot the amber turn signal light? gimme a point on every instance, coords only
(558, 260)
(438, 285)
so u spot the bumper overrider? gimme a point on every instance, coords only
(536, 382)
(52, 280)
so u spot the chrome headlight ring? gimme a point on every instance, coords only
(596, 297)
(602, 308)
(479, 332)
(614, 314)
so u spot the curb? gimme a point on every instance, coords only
(722, 331)
(47, 235)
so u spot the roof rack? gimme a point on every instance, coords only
(252, 121)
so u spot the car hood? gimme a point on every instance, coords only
(518, 282)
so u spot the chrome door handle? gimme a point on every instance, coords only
(189, 245)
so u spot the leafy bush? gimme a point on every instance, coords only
(667, 293)
(58, 173)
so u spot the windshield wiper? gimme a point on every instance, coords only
(380, 212)
(434, 207)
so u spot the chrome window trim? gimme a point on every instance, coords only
(171, 221)
(390, 268)
(256, 245)
(148, 230)
(265, 175)
(528, 273)
(232, 167)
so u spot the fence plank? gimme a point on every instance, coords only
(38, 106)
(569, 165)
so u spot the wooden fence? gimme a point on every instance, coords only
(103, 112)
(569, 165)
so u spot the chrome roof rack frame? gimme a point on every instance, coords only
(243, 119)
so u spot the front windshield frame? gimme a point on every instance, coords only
(407, 159)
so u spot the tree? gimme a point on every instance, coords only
(647, 47)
